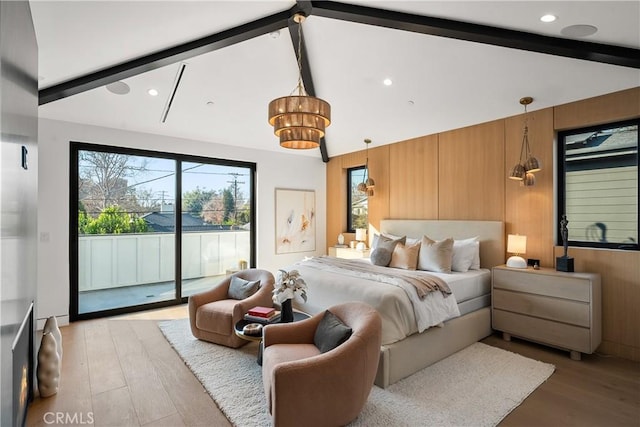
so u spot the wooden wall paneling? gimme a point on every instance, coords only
(620, 296)
(529, 210)
(413, 178)
(612, 107)
(471, 172)
(336, 199)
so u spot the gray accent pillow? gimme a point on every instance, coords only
(331, 332)
(382, 241)
(241, 289)
(380, 256)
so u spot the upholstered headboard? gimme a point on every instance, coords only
(490, 234)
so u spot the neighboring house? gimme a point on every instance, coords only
(164, 222)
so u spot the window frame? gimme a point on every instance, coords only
(74, 148)
(350, 228)
(561, 186)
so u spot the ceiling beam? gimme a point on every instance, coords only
(165, 57)
(597, 52)
(305, 69)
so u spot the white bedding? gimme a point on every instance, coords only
(402, 313)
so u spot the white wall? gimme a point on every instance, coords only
(274, 170)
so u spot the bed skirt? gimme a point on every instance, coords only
(417, 351)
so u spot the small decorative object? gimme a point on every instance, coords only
(51, 326)
(242, 264)
(517, 245)
(288, 286)
(252, 329)
(340, 239)
(352, 244)
(48, 371)
(564, 262)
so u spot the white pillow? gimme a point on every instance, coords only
(466, 255)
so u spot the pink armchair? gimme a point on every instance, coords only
(213, 314)
(306, 387)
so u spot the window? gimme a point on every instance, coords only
(357, 203)
(598, 185)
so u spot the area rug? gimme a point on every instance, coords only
(478, 386)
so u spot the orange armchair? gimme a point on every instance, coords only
(213, 314)
(306, 387)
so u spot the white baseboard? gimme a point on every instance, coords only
(63, 320)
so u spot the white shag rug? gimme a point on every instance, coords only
(478, 386)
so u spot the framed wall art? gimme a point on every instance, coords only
(295, 221)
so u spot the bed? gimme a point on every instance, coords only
(407, 346)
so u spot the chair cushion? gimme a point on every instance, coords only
(241, 289)
(216, 316)
(331, 332)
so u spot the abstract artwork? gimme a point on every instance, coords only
(295, 221)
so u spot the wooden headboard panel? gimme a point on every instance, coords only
(490, 233)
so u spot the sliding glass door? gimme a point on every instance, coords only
(149, 229)
(216, 223)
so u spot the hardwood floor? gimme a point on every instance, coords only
(122, 372)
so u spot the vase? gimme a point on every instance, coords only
(48, 371)
(286, 313)
(51, 326)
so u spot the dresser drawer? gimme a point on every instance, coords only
(544, 331)
(556, 286)
(556, 309)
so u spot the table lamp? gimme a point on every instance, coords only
(517, 245)
(361, 236)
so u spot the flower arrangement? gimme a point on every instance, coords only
(288, 285)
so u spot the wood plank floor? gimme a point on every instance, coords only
(122, 372)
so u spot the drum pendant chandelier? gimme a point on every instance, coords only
(299, 120)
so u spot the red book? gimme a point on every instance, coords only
(262, 311)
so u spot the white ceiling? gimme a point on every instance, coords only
(438, 83)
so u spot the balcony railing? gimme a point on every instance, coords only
(117, 260)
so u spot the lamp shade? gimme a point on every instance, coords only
(361, 234)
(516, 244)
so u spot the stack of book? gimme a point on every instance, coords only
(264, 315)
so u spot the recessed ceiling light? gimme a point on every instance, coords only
(210, 103)
(275, 34)
(119, 88)
(387, 82)
(410, 102)
(152, 92)
(548, 18)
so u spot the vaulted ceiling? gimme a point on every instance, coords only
(451, 63)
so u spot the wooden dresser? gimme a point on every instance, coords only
(563, 310)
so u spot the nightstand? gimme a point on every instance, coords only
(348, 253)
(563, 310)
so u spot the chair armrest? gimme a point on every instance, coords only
(301, 332)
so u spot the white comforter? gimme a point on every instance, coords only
(402, 312)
